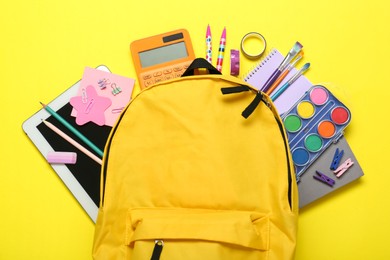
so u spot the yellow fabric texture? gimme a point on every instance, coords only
(182, 165)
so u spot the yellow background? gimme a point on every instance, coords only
(45, 45)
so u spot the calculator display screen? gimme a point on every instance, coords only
(163, 54)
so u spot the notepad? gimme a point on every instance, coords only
(116, 88)
(311, 190)
(263, 70)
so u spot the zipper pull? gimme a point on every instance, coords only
(268, 104)
(158, 247)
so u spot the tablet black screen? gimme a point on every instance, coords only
(86, 170)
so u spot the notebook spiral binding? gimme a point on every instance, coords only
(260, 64)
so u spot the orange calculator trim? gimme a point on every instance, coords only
(162, 56)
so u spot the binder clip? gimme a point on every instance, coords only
(115, 90)
(324, 178)
(343, 167)
(336, 159)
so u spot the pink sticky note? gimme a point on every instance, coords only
(115, 87)
(90, 106)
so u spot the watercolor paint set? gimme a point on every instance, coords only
(316, 120)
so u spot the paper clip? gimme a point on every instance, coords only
(84, 97)
(336, 159)
(324, 178)
(117, 110)
(103, 83)
(343, 167)
(115, 90)
(89, 106)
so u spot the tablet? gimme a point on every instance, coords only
(83, 177)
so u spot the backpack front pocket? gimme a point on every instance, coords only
(197, 233)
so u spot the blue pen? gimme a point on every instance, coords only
(290, 81)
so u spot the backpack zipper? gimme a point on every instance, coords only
(158, 247)
(106, 155)
(286, 147)
(248, 111)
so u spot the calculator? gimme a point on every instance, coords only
(162, 57)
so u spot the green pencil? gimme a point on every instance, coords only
(74, 130)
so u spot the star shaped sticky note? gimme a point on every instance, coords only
(90, 106)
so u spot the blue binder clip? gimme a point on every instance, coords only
(336, 159)
(324, 178)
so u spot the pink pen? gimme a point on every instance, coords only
(209, 47)
(221, 50)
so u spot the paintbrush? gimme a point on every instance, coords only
(290, 55)
(290, 81)
(284, 74)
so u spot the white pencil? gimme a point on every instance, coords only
(73, 142)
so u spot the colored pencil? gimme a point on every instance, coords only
(209, 47)
(221, 50)
(72, 142)
(73, 130)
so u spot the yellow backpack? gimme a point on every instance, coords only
(185, 176)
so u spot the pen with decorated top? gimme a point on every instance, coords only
(209, 47)
(221, 50)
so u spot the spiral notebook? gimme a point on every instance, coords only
(263, 70)
(309, 188)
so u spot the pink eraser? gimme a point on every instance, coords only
(62, 157)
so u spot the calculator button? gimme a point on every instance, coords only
(148, 83)
(157, 74)
(177, 68)
(147, 76)
(168, 77)
(156, 80)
